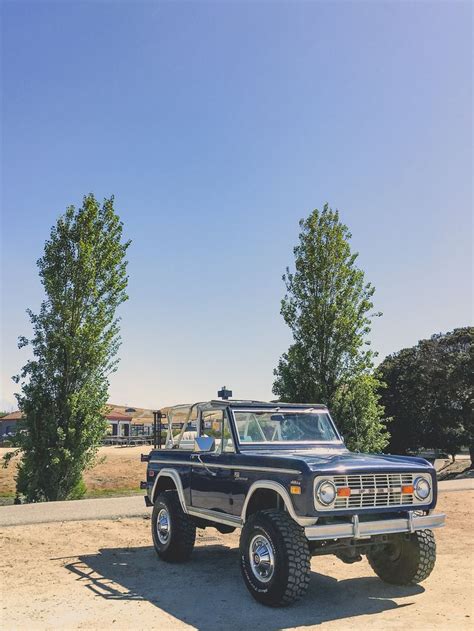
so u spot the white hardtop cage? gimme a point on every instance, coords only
(183, 419)
(182, 428)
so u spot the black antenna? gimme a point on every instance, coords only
(223, 393)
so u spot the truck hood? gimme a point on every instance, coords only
(341, 460)
(354, 462)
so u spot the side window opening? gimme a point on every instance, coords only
(211, 425)
(182, 428)
(215, 423)
(227, 442)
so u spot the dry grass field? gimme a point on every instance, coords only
(118, 470)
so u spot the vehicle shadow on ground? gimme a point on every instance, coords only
(208, 593)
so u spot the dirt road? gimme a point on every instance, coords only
(105, 575)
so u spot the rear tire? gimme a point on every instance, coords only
(173, 531)
(406, 561)
(274, 558)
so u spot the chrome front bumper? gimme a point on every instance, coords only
(356, 529)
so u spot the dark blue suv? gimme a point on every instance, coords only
(282, 474)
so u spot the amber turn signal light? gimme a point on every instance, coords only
(344, 492)
(408, 489)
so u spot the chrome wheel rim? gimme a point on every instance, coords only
(163, 526)
(262, 559)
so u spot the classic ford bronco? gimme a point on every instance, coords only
(282, 474)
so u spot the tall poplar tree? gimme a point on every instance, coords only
(74, 346)
(328, 307)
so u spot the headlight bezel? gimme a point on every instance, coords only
(422, 480)
(319, 499)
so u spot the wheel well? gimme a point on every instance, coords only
(164, 483)
(262, 499)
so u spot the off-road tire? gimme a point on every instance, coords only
(409, 561)
(182, 530)
(290, 548)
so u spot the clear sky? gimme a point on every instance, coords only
(218, 126)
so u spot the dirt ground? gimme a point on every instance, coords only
(118, 468)
(105, 575)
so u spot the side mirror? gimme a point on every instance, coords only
(204, 443)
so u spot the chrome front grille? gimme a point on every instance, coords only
(370, 490)
(374, 490)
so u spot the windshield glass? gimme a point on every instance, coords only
(282, 427)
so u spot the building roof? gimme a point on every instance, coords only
(114, 412)
(118, 416)
(138, 416)
(13, 416)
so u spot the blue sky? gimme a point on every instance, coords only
(217, 126)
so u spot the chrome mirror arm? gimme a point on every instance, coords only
(213, 473)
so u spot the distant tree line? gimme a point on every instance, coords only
(429, 394)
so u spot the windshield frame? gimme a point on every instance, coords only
(281, 443)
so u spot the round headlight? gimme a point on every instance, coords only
(422, 488)
(326, 492)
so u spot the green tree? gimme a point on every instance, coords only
(429, 393)
(74, 345)
(328, 307)
(359, 413)
(403, 399)
(448, 362)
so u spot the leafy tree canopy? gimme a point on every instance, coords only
(74, 344)
(359, 413)
(429, 393)
(328, 307)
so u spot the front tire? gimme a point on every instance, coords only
(405, 561)
(173, 531)
(274, 558)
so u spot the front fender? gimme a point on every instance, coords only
(283, 493)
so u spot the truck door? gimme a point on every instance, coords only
(212, 474)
